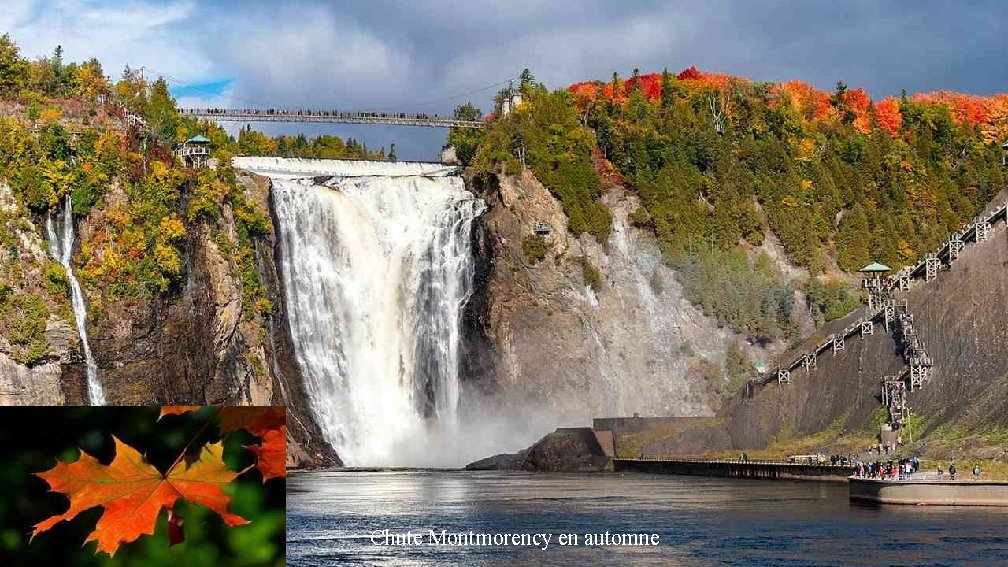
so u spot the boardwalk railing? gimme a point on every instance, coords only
(328, 117)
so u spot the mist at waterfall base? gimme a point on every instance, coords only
(376, 266)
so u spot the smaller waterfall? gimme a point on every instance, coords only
(61, 249)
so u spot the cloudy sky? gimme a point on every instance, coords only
(417, 56)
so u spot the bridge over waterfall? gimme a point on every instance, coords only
(884, 309)
(329, 117)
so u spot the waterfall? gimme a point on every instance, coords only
(376, 267)
(61, 249)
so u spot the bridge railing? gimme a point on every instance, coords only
(329, 116)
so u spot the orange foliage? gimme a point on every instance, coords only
(887, 114)
(858, 102)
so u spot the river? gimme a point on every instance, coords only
(332, 518)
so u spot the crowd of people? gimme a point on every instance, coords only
(901, 469)
(313, 113)
(904, 469)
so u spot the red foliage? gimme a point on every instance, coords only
(650, 85)
(814, 105)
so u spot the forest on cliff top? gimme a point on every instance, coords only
(64, 134)
(719, 162)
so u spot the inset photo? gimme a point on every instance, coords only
(150, 485)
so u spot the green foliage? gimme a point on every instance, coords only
(744, 294)
(547, 133)
(591, 274)
(534, 247)
(737, 367)
(831, 299)
(24, 320)
(160, 112)
(13, 69)
(466, 140)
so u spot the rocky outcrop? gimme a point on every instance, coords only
(39, 385)
(538, 335)
(570, 449)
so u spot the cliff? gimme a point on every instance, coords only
(541, 335)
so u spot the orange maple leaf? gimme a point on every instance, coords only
(272, 453)
(267, 423)
(133, 492)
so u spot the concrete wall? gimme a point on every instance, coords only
(962, 493)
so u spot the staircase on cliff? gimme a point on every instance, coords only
(884, 307)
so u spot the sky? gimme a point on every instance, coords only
(420, 56)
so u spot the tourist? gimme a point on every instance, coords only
(940, 472)
(976, 471)
(952, 471)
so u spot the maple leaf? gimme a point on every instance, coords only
(267, 423)
(176, 410)
(133, 492)
(272, 453)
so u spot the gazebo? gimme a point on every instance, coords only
(194, 152)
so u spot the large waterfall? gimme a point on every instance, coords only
(61, 249)
(376, 268)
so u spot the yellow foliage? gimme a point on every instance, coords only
(805, 150)
(806, 184)
(167, 259)
(789, 201)
(172, 228)
(50, 114)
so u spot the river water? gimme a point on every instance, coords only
(699, 521)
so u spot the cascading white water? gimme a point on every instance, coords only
(61, 249)
(376, 268)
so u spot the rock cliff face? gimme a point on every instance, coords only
(189, 346)
(539, 335)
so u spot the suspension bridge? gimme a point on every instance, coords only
(329, 117)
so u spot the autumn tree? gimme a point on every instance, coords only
(13, 69)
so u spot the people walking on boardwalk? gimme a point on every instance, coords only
(952, 471)
(976, 471)
(941, 472)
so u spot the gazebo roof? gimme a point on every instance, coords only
(198, 139)
(875, 267)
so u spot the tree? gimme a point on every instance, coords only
(466, 140)
(161, 113)
(526, 78)
(13, 69)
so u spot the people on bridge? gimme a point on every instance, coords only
(952, 471)
(976, 471)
